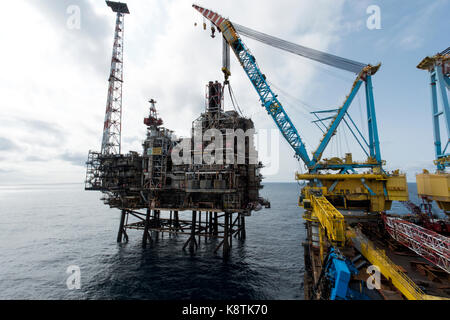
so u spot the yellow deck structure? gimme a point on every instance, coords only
(330, 201)
(435, 187)
(372, 192)
(388, 268)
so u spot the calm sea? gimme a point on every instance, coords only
(44, 229)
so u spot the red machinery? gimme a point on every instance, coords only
(153, 119)
(426, 219)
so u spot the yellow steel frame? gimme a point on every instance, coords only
(228, 31)
(330, 219)
(378, 189)
(391, 272)
(435, 187)
(389, 269)
(332, 222)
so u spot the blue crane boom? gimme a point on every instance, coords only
(275, 109)
(269, 100)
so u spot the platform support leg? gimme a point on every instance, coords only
(191, 241)
(156, 216)
(243, 233)
(121, 226)
(177, 220)
(216, 224)
(146, 235)
(207, 222)
(211, 225)
(199, 226)
(230, 231)
(226, 236)
(170, 224)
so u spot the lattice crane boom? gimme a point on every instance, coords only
(268, 98)
(426, 243)
(112, 127)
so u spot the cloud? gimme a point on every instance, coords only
(89, 43)
(77, 159)
(43, 126)
(7, 144)
(31, 135)
(35, 159)
(411, 41)
(5, 171)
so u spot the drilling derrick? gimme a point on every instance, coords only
(113, 115)
(156, 151)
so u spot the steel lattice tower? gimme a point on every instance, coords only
(113, 116)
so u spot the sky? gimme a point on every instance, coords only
(54, 77)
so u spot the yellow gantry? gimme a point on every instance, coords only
(435, 187)
(373, 192)
(330, 219)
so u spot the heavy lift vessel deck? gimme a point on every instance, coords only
(348, 232)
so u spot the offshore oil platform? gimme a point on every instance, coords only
(176, 175)
(354, 249)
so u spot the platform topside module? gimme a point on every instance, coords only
(154, 180)
(168, 176)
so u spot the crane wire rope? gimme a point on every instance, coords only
(234, 100)
(323, 57)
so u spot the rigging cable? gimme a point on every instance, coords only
(326, 58)
(233, 100)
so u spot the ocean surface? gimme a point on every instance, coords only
(44, 229)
